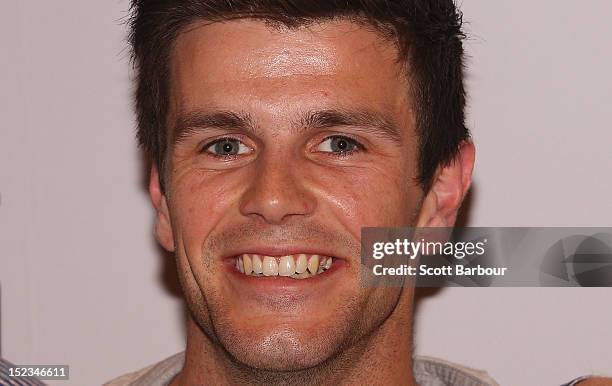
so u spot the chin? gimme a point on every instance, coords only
(286, 348)
(302, 338)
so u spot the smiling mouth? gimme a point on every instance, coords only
(300, 266)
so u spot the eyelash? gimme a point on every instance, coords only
(358, 147)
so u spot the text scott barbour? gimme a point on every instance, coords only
(412, 249)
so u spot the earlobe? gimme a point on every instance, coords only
(163, 228)
(450, 185)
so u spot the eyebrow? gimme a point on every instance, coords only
(373, 122)
(196, 121)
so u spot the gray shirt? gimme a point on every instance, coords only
(427, 372)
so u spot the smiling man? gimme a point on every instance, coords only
(277, 130)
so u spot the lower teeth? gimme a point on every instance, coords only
(304, 275)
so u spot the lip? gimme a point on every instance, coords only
(279, 250)
(282, 290)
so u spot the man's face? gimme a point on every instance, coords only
(286, 143)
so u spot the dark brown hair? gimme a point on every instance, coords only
(428, 34)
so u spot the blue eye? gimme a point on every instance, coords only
(227, 147)
(339, 144)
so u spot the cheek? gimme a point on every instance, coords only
(371, 197)
(199, 204)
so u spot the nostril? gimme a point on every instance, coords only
(275, 194)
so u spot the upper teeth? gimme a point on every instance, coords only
(300, 266)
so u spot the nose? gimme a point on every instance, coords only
(277, 192)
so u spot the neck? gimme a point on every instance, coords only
(382, 358)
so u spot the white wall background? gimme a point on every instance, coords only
(80, 273)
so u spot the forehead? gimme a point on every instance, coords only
(247, 63)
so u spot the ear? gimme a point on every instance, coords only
(449, 187)
(163, 228)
